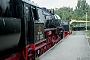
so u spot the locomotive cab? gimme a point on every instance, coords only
(66, 25)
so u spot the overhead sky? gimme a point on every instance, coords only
(57, 3)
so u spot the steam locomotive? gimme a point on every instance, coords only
(27, 30)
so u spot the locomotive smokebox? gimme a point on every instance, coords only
(9, 33)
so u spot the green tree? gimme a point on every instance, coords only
(65, 12)
(80, 10)
(78, 13)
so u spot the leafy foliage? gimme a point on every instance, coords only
(79, 13)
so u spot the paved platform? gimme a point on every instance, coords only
(74, 47)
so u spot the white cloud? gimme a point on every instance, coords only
(88, 1)
(57, 3)
(37, 1)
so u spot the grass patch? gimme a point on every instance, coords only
(88, 35)
(37, 58)
(52, 48)
(59, 42)
(89, 41)
(73, 33)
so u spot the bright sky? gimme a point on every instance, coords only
(57, 3)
